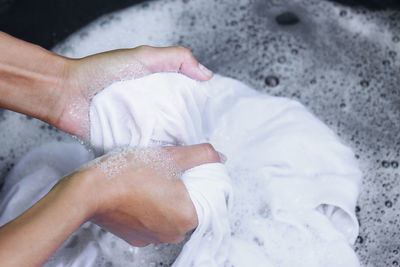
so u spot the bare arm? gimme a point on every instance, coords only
(32, 238)
(58, 90)
(30, 77)
(131, 205)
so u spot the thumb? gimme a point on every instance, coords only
(174, 58)
(187, 157)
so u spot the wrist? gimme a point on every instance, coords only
(72, 103)
(30, 78)
(52, 91)
(81, 188)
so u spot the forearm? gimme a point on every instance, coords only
(30, 78)
(32, 238)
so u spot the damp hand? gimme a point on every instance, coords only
(87, 76)
(57, 90)
(144, 202)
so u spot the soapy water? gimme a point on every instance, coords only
(342, 63)
(99, 78)
(111, 164)
(117, 161)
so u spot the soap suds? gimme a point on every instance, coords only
(117, 160)
(113, 163)
(95, 81)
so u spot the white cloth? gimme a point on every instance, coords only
(301, 166)
(35, 174)
(291, 194)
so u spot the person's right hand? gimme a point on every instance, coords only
(87, 76)
(145, 202)
(58, 90)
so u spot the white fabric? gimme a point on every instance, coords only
(291, 194)
(302, 165)
(35, 174)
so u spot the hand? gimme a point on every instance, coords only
(58, 90)
(87, 76)
(145, 202)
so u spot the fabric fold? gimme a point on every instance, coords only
(209, 245)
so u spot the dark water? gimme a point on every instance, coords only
(47, 22)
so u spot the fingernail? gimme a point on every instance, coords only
(205, 71)
(222, 157)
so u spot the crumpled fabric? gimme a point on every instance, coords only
(304, 168)
(286, 196)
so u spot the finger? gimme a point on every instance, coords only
(174, 58)
(187, 157)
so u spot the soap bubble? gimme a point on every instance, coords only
(388, 203)
(395, 164)
(364, 83)
(385, 164)
(287, 18)
(272, 81)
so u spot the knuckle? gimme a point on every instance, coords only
(183, 223)
(209, 152)
(188, 222)
(185, 51)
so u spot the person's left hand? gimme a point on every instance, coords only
(135, 194)
(144, 201)
(87, 76)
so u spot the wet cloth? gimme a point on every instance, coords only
(309, 179)
(286, 196)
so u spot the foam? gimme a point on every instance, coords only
(117, 160)
(19, 134)
(159, 159)
(102, 76)
(112, 163)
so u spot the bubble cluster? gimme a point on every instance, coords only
(157, 158)
(118, 160)
(19, 134)
(113, 163)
